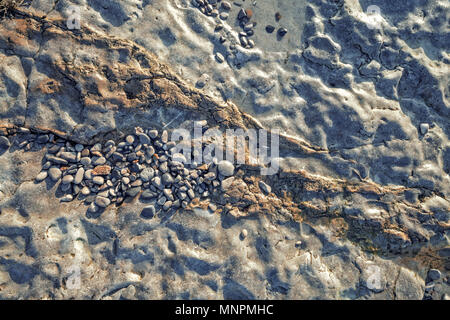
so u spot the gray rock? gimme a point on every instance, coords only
(79, 176)
(79, 147)
(132, 192)
(41, 176)
(85, 161)
(148, 194)
(167, 205)
(424, 127)
(147, 174)
(56, 160)
(102, 202)
(98, 161)
(98, 180)
(265, 187)
(67, 198)
(4, 144)
(167, 178)
(157, 183)
(434, 274)
(143, 138)
(226, 5)
(67, 179)
(148, 212)
(69, 156)
(153, 134)
(226, 168)
(54, 173)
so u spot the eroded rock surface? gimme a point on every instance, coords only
(359, 209)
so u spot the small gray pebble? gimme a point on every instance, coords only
(98, 180)
(148, 212)
(54, 173)
(102, 201)
(67, 179)
(41, 176)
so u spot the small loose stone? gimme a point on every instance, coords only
(219, 57)
(226, 5)
(282, 32)
(102, 201)
(98, 180)
(79, 176)
(153, 134)
(167, 205)
(226, 168)
(148, 212)
(265, 187)
(424, 127)
(41, 176)
(67, 198)
(4, 143)
(270, 28)
(102, 170)
(85, 191)
(67, 179)
(54, 173)
(129, 139)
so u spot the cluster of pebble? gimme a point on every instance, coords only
(146, 162)
(221, 9)
(281, 31)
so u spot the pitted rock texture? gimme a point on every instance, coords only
(359, 209)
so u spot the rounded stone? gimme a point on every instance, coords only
(41, 176)
(143, 138)
(85, 161)
(434, 274)
(424, 127)
(79, 176)
(67, 179)
(148, 212)
(132, 192)
(226, 168)
(167, 178)
(4, 143)
(98, 180)
(129, 139)
(102, 201)
(54, 173)
(85, 191)
(147, 174)
(67, 198)
(265, 187)
(79, 147)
